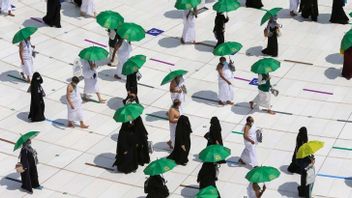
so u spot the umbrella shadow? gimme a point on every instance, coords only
(174, 14)
(348, 181)
(283, 169)
(169, 42)
(5, 77)
(70, 10)
(161, 147)
(114, 137)
(23, 116)
(254, 51)
(288, 189)
(190, 191)
(105, 160)
(155, 116)
(332, 73)
(12, 182)
(115, 103)
(233, 162)
(241, 108)
(32, 23)
(205, 46)
(60, 123)
(107, 74)
(206, 97)
(335, 58)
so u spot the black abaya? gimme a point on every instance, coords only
(302, 138)
(131, 87)
(214, 135)
(303, 189)
(29, 177)
(182, 138)
(37, 108)
(347, 64)
(156, 187)
(254, 4)
(309, 8)
(52, 17)
(338, 15)
(272, 47)
(207, 175)
(142, 141)
(219, 28)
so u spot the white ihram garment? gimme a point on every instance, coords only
(225, 90)
(294, 5)
(172, 132)
(88, 7)
(90, 83)
(76, 113)
(123, 55)
(249, 155)
(5, 5)
(263, 99)
(189, 27)
(27, 51)
(180, 96)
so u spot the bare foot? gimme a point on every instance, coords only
(220, 103)
(83, 126)
(102, 101)
(10, 14)
(251, 105)
(270, 112)
(229, 102)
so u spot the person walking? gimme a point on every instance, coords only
(142, 141)
(90, 80)
(254, 191)
(347, 64)
(88, 8)
(173, 116)
(264, 96)
(302, 138)
(189, 26)
(113, 40)
(178, 91)
(37, 107)
(338, 15)
(26, 57)
(273, 31)
(155, 187)
(123, 49)
(249, 154)
(293, 7)
(52, 17)
(308, 175)
(208, 175)
(225, 75)
(28, 159)
(309, 8)
(5, 6)
(132, 87)
(219, 28)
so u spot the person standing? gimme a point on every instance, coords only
(5, 6)
(309, 8)
(254, 4)
(249, 154)
(52, 17)
(307, 176)
(219, 28)
(178, 91)
(74, 104)
(263, 98)
(28, 159)
(254, 191)
(214, 135)
(338, 15)
(208, 175)
(131, 87)
(189, 26)
(142, 141)
(225, 75)
(173, 116)
(88, 8)
(347, 64)
(26, 57)
(155, 187)
(293, 7)
(37, 108)
(123, 49)
(302, 138)
(113, 40)
(182, 141)
(273, 29)
(90, 80)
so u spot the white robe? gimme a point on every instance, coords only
(249, 154)
(263, 99)
(172, 132)
(76, 113)
(27, 67)
(90, 83)
(294, 5)
(5, 5)
(250, 191)
(123, 55)
(88, 7)
(180, 96)
(225, 90)
(189, 27)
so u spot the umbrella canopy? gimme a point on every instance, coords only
(227, 48)
(23, 34)
(186, 4)
(131, 32)
(133, 64)
(93, 53)
(262, 174)
(159, 166)
(207, 192)
(214, 153)
(309, 148)
(265, 65)
(24, 138)
(346, 41)
(269, 14)
(128, 112)
(226, 6)
(109, 19)
(350, 14)
(170, 76)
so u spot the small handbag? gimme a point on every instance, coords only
(19, 167)
(150, 146)
(266, 32)
(275, 92)
(259, 135)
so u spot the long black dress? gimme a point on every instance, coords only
(254, 4)
(142, 141)
(207, 175)
(304, 188)
(37, 108)
(131, 87)
(302, 138)
(338, 15)
(214, 134)
(347, 64)
(29, 177)
(183, 132)
(126, 142)
(52, 17)
(156, 187)
(272, 47)
(219, 28)
(309, 8)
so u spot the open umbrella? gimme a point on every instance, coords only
(131, 32)
(207, 192)
(133, 64)
(350, 14)
(309, 148)
(170, 76)
(23, 34)
(186, 4)
(214, 153)
(110, 19)
(227, 48)
(93, 53)
(159, 166)
(269, 14)
(128, 112)
(24, 138)
(226, 6)
(346, 41)
(265, 65)
(262, 174)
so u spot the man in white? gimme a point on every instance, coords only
(5, 6)
(26, 52)
(189, 26)
(225, 75)
(249, 154)
(74, 104)
(123, 49)
(178, 91)
(88, 8)
(293, 7)
(263, 98)
(90, 80)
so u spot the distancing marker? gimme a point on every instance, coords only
(281, 112)
(37, 20)
(160, 61)
(243, 79)
(12, 179)
(342, 148)
(205, 44)
(292, 61)
(348, 121)
(16, 77)
(189, 186)
(96, 43)
(334, 176)
(237, 132)
(146, 85)
(7, 141)
(98, 166)
(55, 122)
(208, 99)
(156, 116)
(316, 91)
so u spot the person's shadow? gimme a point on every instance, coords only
(70, 10)
(174, 14)
(169, 42)
(335, 59)
(206, 96)
(15, 79)
(105, 160)
(12, 182)
(288, 189)
(332, 73)
(33, 23)
(254, 51)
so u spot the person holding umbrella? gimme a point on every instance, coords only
(272, 31)
(113, 41)
(257, 175)
(225, 75)
(301, 139)
(346, 50)
(219, 28)
(5, 6)
(190, 13)
(37, 107)
(207, 175)
(178, 91)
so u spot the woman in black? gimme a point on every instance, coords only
(155, 187)
(142, 141)
(254, 4)
(272, 28)
(309, 8)
(52, 17)
(338, 15)
(182, 141)
(307, 170)
(37, 108)
(214, 134)
(131, 87)
(28, 159)
(219, 28)
(302, 138)
(207, 175)
(126, 152)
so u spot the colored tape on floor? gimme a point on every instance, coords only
(237, 132)
(96, 43)
(146, 85)
(281, 112)
(348, 121)
(334, 176)
(160, 61)
(37, 20)
(98, 166)
(208, 99)
(342, 148)
(7, 141)
(12, 179)
(16, 77)
(189, 186)
(292, 61)
(55, 122)
(243, 79)
(156, 116)
(316, 91)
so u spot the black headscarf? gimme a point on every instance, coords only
(302, 137)
(37, 107)
(36, 81)
(215, 131)
(184, 125)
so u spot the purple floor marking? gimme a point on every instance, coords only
(96, 43)
(316, 91)
(238, 78)
(160, 61)
(37, 20)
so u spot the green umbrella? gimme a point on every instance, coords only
(128, 112)
(207, 192)
(23, 139)
(214, 153)
(133, 64)
(346, 41)
(227, 48)
(226, 6)
(159, 166)
(93, 53)
(309, 148)
(23, 34)
(131, 32)
(262, 174)
(265, 65)
(269, 14)
(172, 75)
(350, 14)
(186, 4)
(110, 19)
